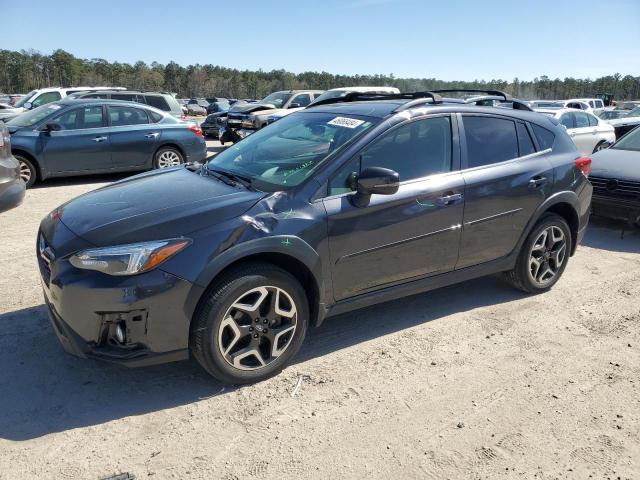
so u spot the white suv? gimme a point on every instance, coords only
(587, 131)
(42, 96)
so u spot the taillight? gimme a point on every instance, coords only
(584, 165)
(196, 129)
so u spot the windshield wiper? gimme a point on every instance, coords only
(228, 177)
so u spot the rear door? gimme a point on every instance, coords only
(80, 145)
(505, 182)
(583, 134)
(133, 138)
(405, 236)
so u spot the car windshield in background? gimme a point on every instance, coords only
(285, 153)
(20, 103)
(634, 113)
(278, 99)
(32, 117)
(631, 141)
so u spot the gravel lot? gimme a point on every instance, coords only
(470, 381)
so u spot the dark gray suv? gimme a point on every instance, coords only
(346, 204)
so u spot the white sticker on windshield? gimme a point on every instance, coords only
(346, 122)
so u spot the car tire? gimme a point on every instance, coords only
(238, 345)
(600, 146)
(543, 256)
(167, 157)
(28, 171)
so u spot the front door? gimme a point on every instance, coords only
(405, 236)
(505, 182)
(81, 143)
(133, 139)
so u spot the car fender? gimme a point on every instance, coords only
(288, 245)
(567, 197)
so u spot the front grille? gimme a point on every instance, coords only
(45, 257)
(612, 187)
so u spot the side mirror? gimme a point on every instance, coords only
(375, 181)
(50, 127)
(294, 105)
(27, 105)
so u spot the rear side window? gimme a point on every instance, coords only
(489, 140)
(123, 96)
(158, 102)
(545, 137)
(524, 140)
(125, 115)
(582, 120)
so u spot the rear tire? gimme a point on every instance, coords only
(167, 157)
(250, 324)
(28, 171)
(543, 256)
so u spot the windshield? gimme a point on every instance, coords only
(634, 113)
(278, 99)
(285, 153)
(630, 141)
(30, 118)
(27, 98)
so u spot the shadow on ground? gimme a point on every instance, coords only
(612, 235)
(43, 390)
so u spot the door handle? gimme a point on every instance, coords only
(537, 182)
(99, 139)
(450, 199)
(152, 135)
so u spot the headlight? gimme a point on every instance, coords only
(128, 259)
(249, 121)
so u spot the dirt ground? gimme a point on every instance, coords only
(470, 381)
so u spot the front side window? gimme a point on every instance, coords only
(121, 115)
(302, 100)
(79, 118)
(287, 152)
(277, 99)
(45, 98)
(593, 121)
(414, 150)
(489, 140)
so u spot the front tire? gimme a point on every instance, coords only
(167, 157)
(28, 171)
(544, 255)
(601, 146)
(250, 324)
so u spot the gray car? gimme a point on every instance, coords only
(615, 175)
(11, 185)
(161, 100)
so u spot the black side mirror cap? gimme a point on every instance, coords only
(375, 181)
(50, 127)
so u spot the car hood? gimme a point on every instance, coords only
(251, 107)
(616, 163)
(623, 121)
(152, 206)
(278, 111)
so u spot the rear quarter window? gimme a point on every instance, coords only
(158, 102)
(545, 137)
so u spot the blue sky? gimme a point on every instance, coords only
(464, 39)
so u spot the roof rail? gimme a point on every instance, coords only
(515, 103)
(418, 97)
(497, 93)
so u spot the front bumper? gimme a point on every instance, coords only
(617, 208)
(87, 307)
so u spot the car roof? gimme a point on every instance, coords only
(561, 110)
(88, 101)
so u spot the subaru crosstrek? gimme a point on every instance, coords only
(333, 208)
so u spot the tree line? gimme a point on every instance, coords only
(23, 71)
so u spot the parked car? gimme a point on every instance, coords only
(626, 123)
(161, 100)
(198, 101)
(612, 114)
(42, 96)
(12, 186)
(253, 116)
(587, 131)
(196, 110)
(594, 105)
(332, 94)
(211, 126)
(86, 136)
(216, 107)
(329, 209)
(535, 104)
(616, 179)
